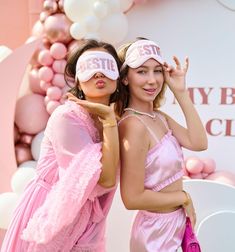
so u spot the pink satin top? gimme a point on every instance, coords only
(164, 161)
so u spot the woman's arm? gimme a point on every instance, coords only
(194, 136)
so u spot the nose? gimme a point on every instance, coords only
(151, 78)
(99, 75)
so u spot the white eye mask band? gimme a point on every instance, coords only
(141, 51)
(92, 62)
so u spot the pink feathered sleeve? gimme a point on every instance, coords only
(79, 157)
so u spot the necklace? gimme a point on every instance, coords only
(154, 116)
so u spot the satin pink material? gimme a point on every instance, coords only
(157, 232)
(63, 209)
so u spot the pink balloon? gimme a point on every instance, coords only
(73, 45)
(31, 115)
(57, 27)
(58, 80)
(46, 100)
(38, 30)
(34, 82)
(50, 6)
(23, 153)
(59, 66)
(54, 93)
(26, 139)
(226, 177)
(45, 73)
(16, 134)
(194, 165)
(196, 176)
(209, 165)
(43, 16)
(51, 106)
(58, 51)
(44, 58)
(44, 85)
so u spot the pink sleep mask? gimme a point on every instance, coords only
(140, 51)
(92, 62)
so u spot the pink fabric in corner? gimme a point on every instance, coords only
(64, 209)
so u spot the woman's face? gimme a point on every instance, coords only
(99, 87)
(146, 81)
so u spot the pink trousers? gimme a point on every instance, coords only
(157, 232)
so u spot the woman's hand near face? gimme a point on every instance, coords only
(175, 76)
(103, 111)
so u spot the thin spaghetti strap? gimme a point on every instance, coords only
(150, 131)
(163, 119)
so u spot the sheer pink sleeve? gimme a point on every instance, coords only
(79, 155)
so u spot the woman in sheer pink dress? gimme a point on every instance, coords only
(65, 207)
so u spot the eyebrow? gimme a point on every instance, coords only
(143, 66)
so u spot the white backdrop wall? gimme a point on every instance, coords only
(204, 31)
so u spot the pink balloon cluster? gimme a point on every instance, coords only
(205, 168)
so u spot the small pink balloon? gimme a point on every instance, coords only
(30, 115)
(34, 82)
(43, 16)
(23, 153)
(38, 29)
(51, 106)
(58, 50)
(46, 100)
(26, 139)
(61, 5)
(45, 85)
(58, 80)
(209, 165)
(45, 73)
(225, 177)
(56, 28)
(204, 174)
(59, 66)
(50, 6)
(196, 176)
(194, 165)
(44, 58)
(54, 93)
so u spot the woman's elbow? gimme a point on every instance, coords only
(109, 183)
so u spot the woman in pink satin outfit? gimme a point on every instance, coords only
(65, 207)
(151, 141)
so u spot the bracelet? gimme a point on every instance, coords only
(188, 199)
(109, 123)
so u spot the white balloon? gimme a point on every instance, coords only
(21, 178)
(4, 52)
(230, 4)
(36, 145)
(76, 10)
(92, 23)
(114, 6)
(92, 36)
(100, 9)
(28, 164)
(125, 4)
(113, 28)
(77, 31)
(8, 202)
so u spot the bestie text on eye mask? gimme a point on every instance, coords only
(141, 51)
(92, 62)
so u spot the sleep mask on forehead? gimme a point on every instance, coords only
(141, 51)
(92, 62)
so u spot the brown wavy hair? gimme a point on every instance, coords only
(123, 102)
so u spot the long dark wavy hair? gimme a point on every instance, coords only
(123, 101)
(70, 68)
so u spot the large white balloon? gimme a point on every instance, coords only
(28, 164)
(92, 23)
(77, 31)
(21, 178)
(8, 202)
(77, 10)
(114, 6)
(100, 9)
(113, 28)
(36, 145)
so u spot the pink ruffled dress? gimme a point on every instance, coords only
(63, 209)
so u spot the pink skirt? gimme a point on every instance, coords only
(157, 232)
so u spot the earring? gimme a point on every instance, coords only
(80, 94)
